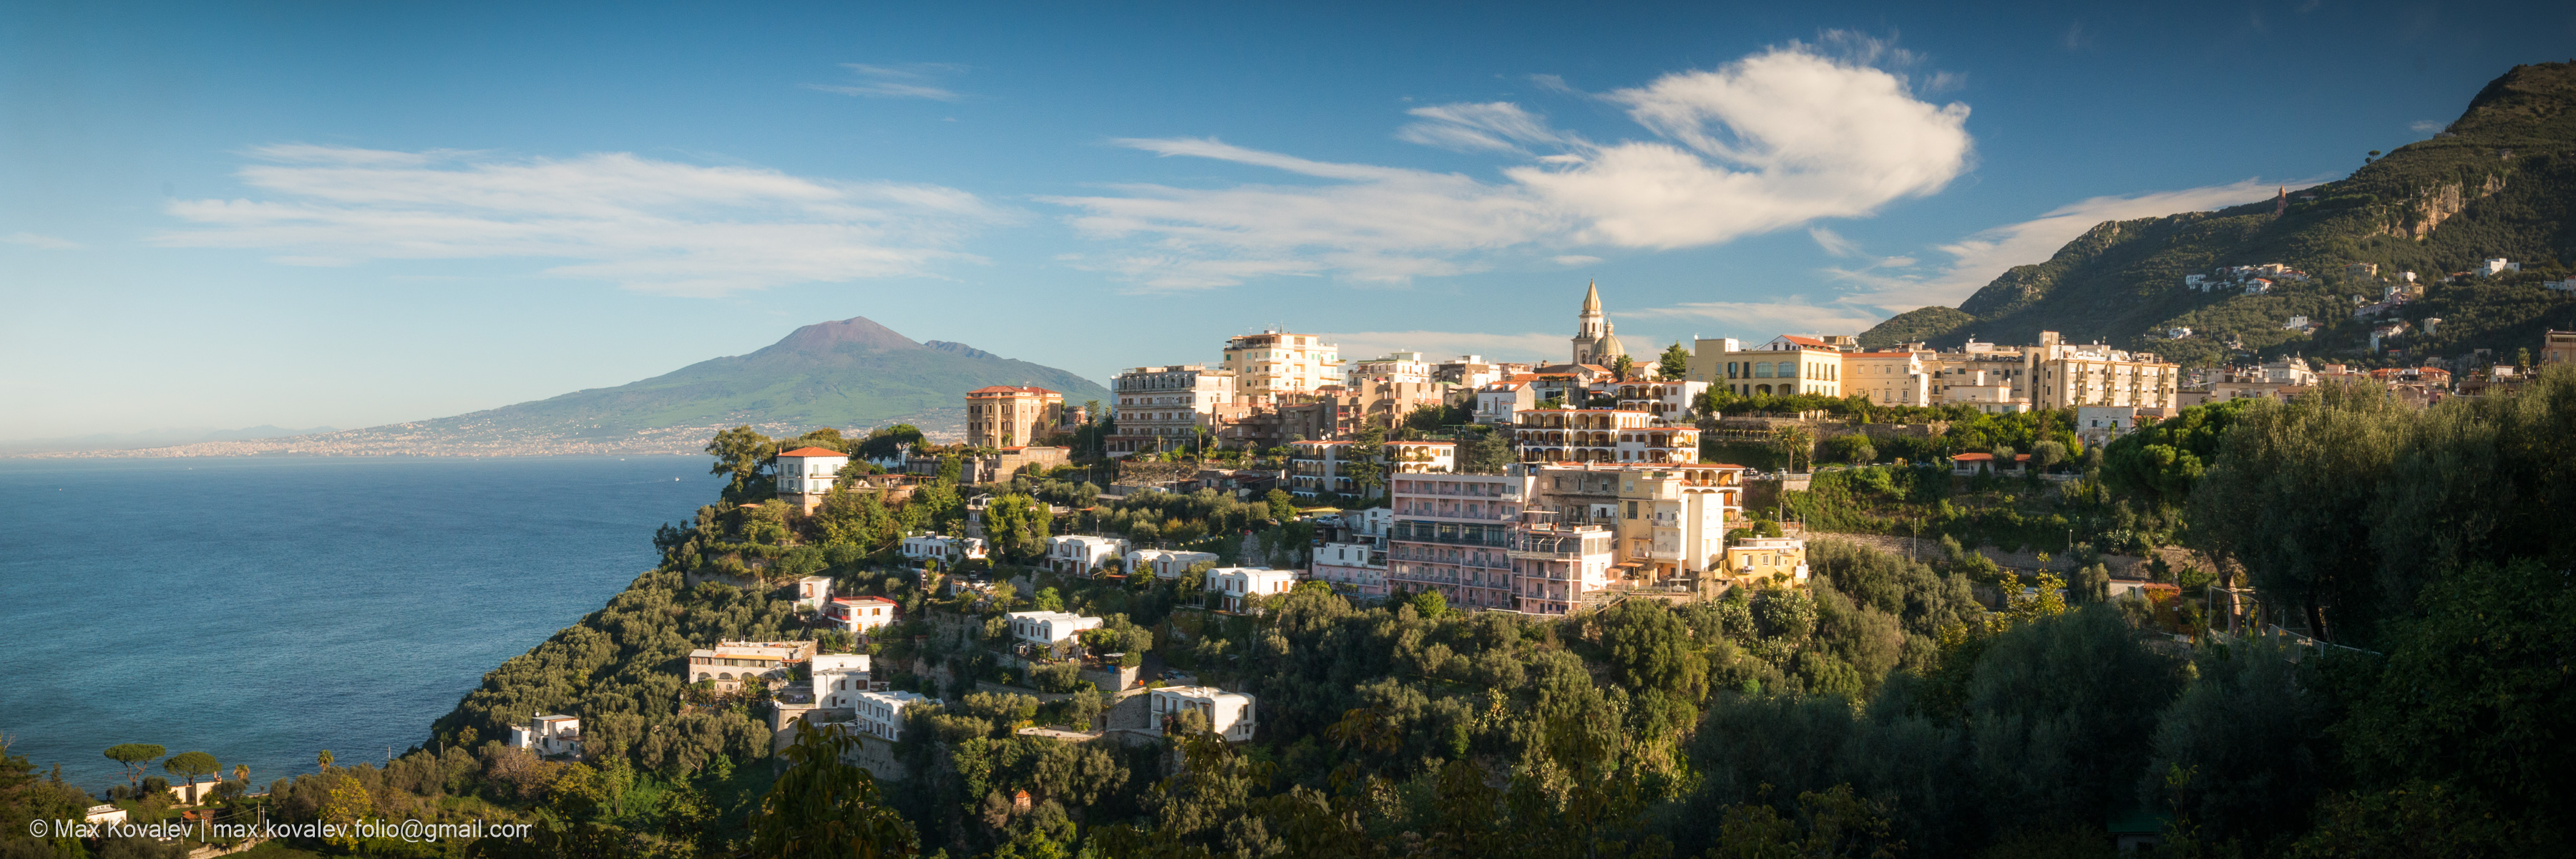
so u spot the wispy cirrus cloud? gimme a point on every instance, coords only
(1549, 348)
(1746, 318)
(648, 225)
(40, 241)
(1770, 141)
(1899, 284)
(909, 80)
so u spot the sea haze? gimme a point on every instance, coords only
(264, 609)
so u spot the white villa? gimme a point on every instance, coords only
(839, 678)
(1232, 584)
(1078, 554)
(548, 736)
(880, 714)
(859, 615)
(946, 550)
(813, 591)
(1164, 563)
(1229, 714)
(1051, 631)
(806, 474)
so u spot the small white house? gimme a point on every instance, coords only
(1080, 554)
(548, 736)
(946, 550)
(839, 678)
(1229, 714)
(2497, 266)
(860, 615)
(1053, 632)
(1231, 584)
(813, 591)
(104, 815)
(1164, 563)
(880, 714)
(806, 474)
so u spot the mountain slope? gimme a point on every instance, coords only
(851, 374)
(848, 373)
(2499, 183)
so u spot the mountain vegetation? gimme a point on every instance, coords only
(2499, 182)
(851, 373)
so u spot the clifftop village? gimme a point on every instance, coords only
(1541, 489)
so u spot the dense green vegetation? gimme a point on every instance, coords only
(1937, 705)
(2497, 183)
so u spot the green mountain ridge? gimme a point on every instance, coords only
(2500, 182)
(850, 373)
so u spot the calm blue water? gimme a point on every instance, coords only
(262, 610)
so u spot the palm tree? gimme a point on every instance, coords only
(325, 758)
(241, 773)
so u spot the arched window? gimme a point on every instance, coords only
(1762, 370)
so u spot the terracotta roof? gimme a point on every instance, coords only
(1972, 457)
(1008, 389)
(813, 451)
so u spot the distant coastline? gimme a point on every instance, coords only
(423, 439)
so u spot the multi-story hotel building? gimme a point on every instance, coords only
(1603, 435)
(1316, 468)
(1555, 564)
(1453, 534)
(1672, 520)
(1163, 407)
(2063, 375)
(1273, 364)
(1011, 415)
(1669, 400)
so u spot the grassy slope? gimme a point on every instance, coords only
(2121, 281)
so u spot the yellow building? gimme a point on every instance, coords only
(1275, 364)
(1672, 520)
(1789, 364)
(1011, 416)
(1757, 561)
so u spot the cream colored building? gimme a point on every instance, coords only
(1672, 521)
(2061, 375)
(1010, 415)
(1893, 377)
(1162, 407)
(1275, 364)
(1603, 435)
(1788, 364)
(1421, 457)
(1395, 367)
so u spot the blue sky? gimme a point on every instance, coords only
(223, 215)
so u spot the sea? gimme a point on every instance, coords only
(263, 610)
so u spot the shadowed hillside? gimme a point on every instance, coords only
(2498, 183)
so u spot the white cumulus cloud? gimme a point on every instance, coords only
(652, 226)
(1767, 142)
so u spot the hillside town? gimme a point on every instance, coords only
(1533, 489)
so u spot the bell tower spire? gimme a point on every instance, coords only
(1590, 326)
